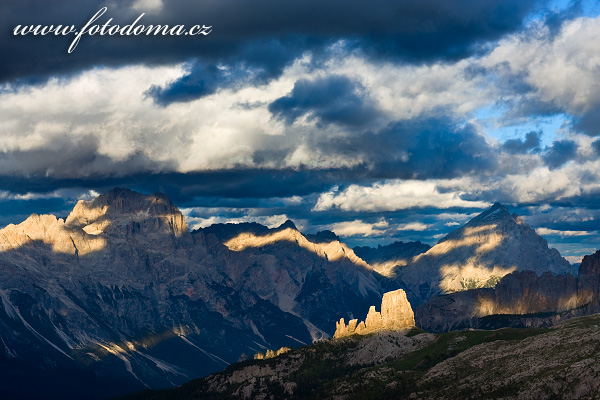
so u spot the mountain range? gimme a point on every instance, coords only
(122, 291)
(557, 361)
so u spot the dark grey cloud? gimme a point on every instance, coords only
(577, 226)
(79, 158)
(421, 148)
(403, 31)
(253, 64)
(201, 81)
(561, 152)
(589, 121)
(415, 149)
(333, 99)
(589, 199)
(22, 208)
(519, 146)
(213, 186)
(596, 146)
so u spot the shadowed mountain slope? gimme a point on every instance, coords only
(479, 254)
(387, 260)
(520, 299)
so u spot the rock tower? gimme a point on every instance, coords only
(396, 314)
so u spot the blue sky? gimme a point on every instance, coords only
(397, 121)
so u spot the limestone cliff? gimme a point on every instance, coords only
(396, 314)
(521, 299)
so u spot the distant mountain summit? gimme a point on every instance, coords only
(122, 205)
(323, 237)
(478, 254)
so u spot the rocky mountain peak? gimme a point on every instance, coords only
(225, 232)
(590, 265)
(478, 254)
(287, 224)
(122, 207)
(589, 278)
(496, 217)
(496, 208)
(122, 202)
(119, 214)
(36, 228)
(239, 237)
(495, 213)
(323, 237)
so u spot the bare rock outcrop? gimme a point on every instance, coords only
(271, 353)
(396, 314)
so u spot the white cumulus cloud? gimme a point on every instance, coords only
(392, 196)
(359, 228)
(547, 231)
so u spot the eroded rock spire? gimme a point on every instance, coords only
(396, 314)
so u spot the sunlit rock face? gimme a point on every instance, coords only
(396, 314)
(124, 212)
(311, 279)
(388, 260)
(121, 296)
(479, 254)
(521, 299)
(333, 250)
(118, 215)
